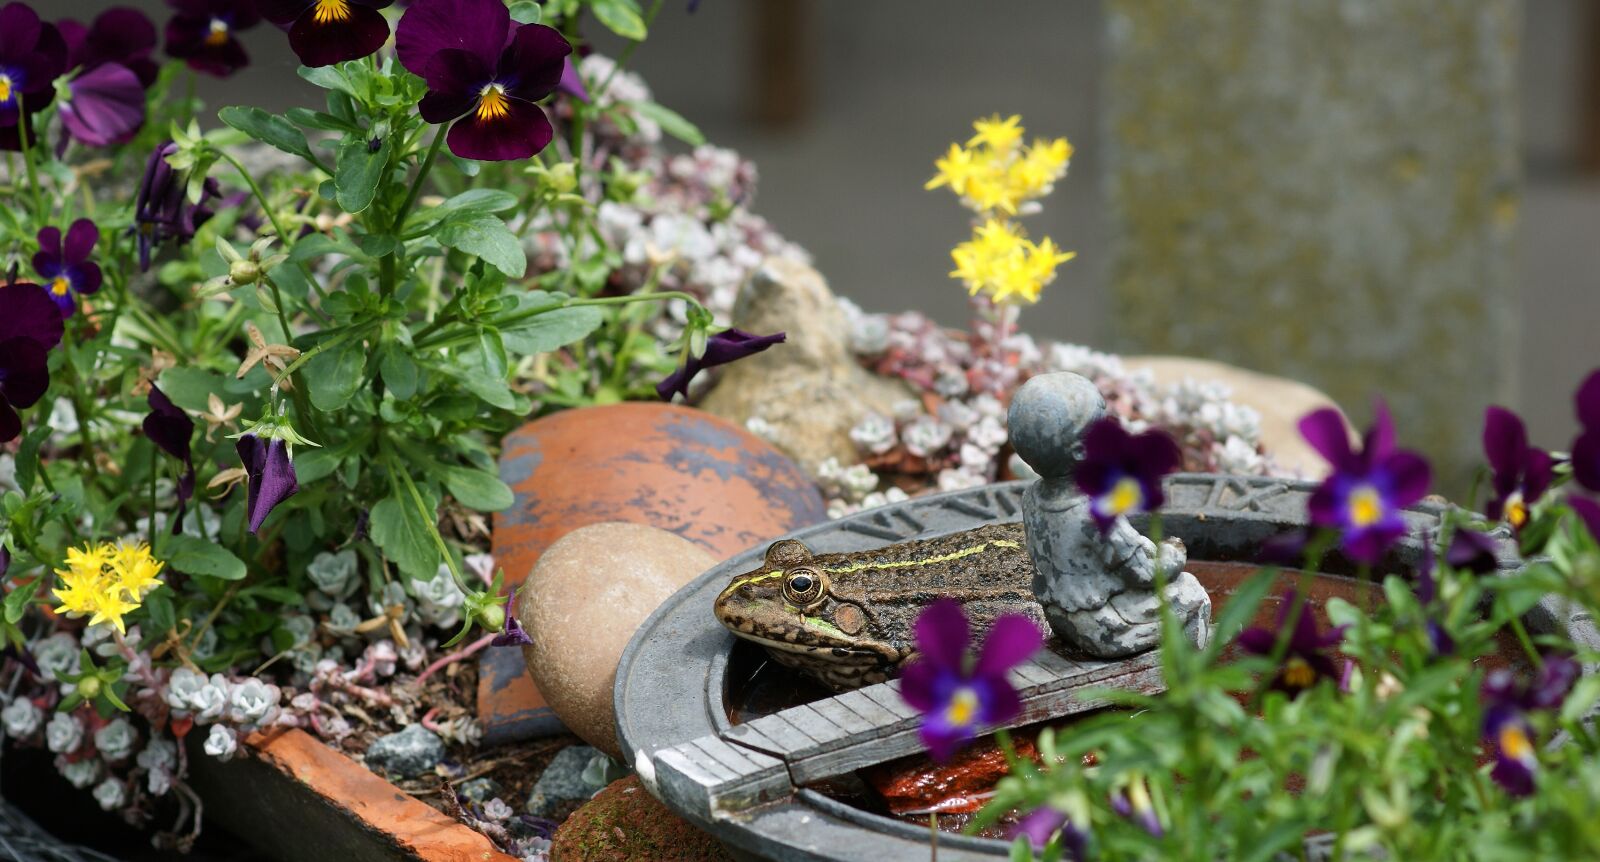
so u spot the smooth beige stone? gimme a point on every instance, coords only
(582, 602)
(1280, 401)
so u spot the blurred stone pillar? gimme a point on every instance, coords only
(1324, 190)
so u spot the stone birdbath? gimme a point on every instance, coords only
(753, 779)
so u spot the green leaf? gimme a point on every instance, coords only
(202, 557)
(18, 599)
(470, 201)
(315, 464)
(190, 387)
(269, 129)
(328, 78)
(477, 489)
(526, 12)
(671, 122)
(309, 119)
(357, 172)
(555, 328)
(335, 374)
(399, 371)
(486, 236)
(490, 389)
(1575, 707)
(621, 17)
(400, 532)
(28, 457)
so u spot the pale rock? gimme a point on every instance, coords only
(809, 389)
(581, 603)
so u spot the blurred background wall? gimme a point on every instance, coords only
(844, 104)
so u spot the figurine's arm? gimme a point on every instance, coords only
(1130, 554)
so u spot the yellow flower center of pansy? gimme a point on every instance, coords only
(1516, 511)
(1366, 506)
(963, 707)
(493, 103)
(1514, 742)
(59, 285)
(330, 11)
(218, 34)
(5, 88)
(1298, 673)
(1124, 497)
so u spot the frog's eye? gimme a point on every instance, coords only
(803, 586)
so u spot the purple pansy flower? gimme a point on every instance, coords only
(161, 208)
(1043, 823)
(65, 266)
(1132, 801)
(104, 106)
(481, 69)
(32, 56)
(1521, 473)
(1586, 448)
(1121, 472)
(1364, 495)
(271, 475)
(170, 428)
(202, 34)
(1505, 720)
(1469, 551)
(27, 332)
(324, 32)
(1588, 511)
(1303, 661)
(513, 634)
(956, 692)
(118, 35)
(727, 346)
(571, 82)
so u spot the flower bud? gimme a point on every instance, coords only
(494, 617)
(244, 271)
(563, 178)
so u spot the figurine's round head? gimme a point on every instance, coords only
(1048, 416)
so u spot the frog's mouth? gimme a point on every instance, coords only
(821, 650)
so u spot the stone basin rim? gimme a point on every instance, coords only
(1218, 516)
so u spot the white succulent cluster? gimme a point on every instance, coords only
(248, 703)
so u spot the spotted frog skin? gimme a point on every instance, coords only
(846, 619)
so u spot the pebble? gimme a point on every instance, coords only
(562, 782)
(580, 605)
(406, 754)
(479, 790)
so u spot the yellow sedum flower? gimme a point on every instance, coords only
(1003, 263)
(997, 134)
(106, 582)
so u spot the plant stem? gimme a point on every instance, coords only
(283, 235)
(416, 184)
(150, 517)
(23, 125)
(627, 52)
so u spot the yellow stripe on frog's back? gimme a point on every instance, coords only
(893, 564)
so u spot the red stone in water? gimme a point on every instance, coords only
(916, 785)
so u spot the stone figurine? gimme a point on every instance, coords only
(1098, 590)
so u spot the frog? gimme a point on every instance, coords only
(847, 619)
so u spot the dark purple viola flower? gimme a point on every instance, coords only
(480, 69)
(11, 136)
(1507, 702)
(1368, 489)
(1586, 448)
(727, 346)
(1588, 511)
(1121, 472)
(170, 428)
(27, 333)
(513, 634)
(1045, 822)
(324, 32)
(1304, 662)
(571, 82)
(32, 56)
(1472, 551)
(958, 694)
(202, 33)
(118, 35)
(1132, 801)
(271, 475)
(65, 266)
(1285, 549)
(1521, 473)
(161, 207)
(105, 106)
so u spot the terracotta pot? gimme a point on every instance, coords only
(297, 800)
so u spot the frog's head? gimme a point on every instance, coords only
(786, 605)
